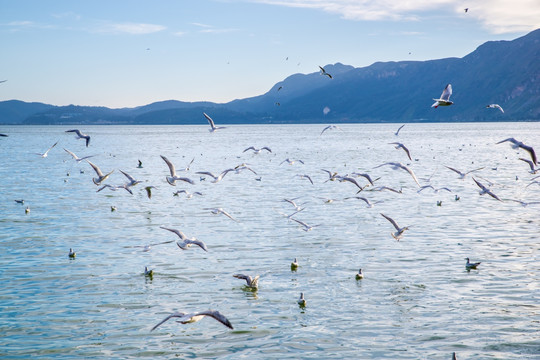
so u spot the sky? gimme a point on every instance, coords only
(128, 53)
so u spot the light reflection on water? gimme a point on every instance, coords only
(415, 302)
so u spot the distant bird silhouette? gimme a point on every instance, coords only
(323, 72)
(398, 130)
(469, 265)
(80, 135)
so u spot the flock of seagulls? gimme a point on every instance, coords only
(185, 243)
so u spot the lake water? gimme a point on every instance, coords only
(416, 301)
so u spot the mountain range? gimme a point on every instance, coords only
(502, 72)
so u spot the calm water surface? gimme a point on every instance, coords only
(416, 301)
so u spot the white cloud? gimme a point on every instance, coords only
(131, 28)
(497, 16)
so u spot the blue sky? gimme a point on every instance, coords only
(128, 53)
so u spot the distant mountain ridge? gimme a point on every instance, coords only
(503, 72)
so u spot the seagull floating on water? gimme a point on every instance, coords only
(186, 243)
(359, 275)
(518, 144)
(302, 300)
(186, 318)
(495, 106)
(148, 272)
(44, 155)
(72, 253)
(253, 283)
(80, 135)
(400, 230)
(294, 265)
(213, 127)
(444, 100)
(174, 178)
(469, 265)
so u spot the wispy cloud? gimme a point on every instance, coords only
(209, 29)
(131, 28)
(25, 25)
(497, 16)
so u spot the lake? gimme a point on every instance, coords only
(416, 300)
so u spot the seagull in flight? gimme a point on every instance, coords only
(397, 166)
(290, 162)
(77, 159)
(186, 318)
(401, 146)
(495, 106)
(368, 203)
(115, 187)
(186, 243)
(80, 135)
(148, 247)
(518, 144)
(304, 176)
(257, 151)
(188, 194)
(330, 127)
(218, 211)
(100, 175)
(400, 230)
(213, 127)
(305, 226)
(485, 190)
(531, 165)
(399, 129)
(462, 174)
(173, 178)
(296, 207)
(44, 155)
(251, 282)
(217, 178)
(444, 100)
(132, 181)
(323, 72)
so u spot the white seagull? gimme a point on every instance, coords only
(44, 155)
(485, 190)
(188, 194)
(462, 174)
(444, 100)
(290, 162)
(257, 151)
(305, 226)
(397, 166)
(186, 243)
(186, 318)
(219, 177)
(304, 176)
(80, 135)
(100, 175)
(518, 144)
(398, 130)
(495, 106)
(250, 282)
(531, 165)
(400, 230)
(302, 300)
(469, 265)
(218, 211)
(401, 146)
(330, 127)
(77, 159)
(213, 127)
(173, 178)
